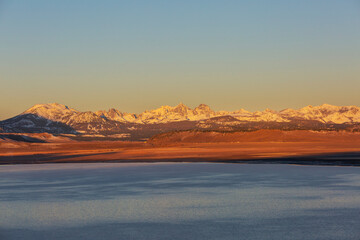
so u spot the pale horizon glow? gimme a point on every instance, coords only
(140, 55)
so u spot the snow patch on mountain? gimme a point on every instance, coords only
(53, 111)
(43, 117)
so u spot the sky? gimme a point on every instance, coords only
(138, 55)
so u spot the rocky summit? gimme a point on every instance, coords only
(60, 119)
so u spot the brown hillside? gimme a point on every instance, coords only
(174, 138)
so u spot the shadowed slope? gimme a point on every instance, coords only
(31, 123)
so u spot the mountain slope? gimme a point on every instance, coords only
(195, 136)
(325, 113)
(54, 111)
(58, 118)
(32, 123)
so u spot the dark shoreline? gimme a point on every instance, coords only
(336, 159)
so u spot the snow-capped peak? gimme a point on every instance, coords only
(325, 113)
(51, 111)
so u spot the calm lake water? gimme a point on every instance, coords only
(179, 201)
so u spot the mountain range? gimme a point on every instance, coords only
(60, 119)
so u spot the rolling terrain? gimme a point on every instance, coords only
(196, 136)
(272, 146)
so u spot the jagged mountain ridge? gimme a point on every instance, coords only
(58, 118)
(324, 113)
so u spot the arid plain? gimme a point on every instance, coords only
(273, 146)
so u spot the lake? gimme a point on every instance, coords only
(179, 201)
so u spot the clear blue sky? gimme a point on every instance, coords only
(137, 55)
